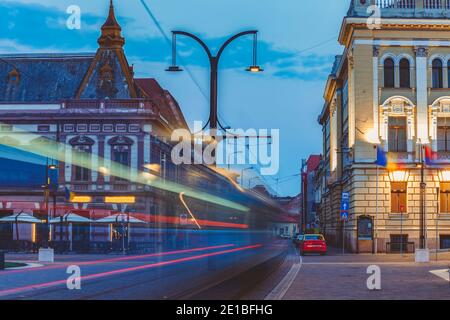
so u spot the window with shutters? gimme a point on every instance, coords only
(399, 191)
(444, 197)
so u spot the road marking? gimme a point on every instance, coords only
(444, 274)
(281, 289)
(28, 265)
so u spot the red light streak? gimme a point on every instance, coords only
(159, 254)
(125, 270)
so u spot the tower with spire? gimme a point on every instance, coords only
(111, 36)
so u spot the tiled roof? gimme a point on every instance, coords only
(313, 163)
(169, 107)
(42, 77)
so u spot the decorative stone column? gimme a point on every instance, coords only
(422, 96)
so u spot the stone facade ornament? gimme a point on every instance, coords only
(376, 51)
(421, 51)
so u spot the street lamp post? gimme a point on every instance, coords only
(423, 186)
(214, 66)
(48, 167)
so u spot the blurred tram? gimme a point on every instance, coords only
(157, 221)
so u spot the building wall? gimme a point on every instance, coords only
(370, 105)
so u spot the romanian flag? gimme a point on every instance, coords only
(389, 160)
(382, 160)
(430, 156)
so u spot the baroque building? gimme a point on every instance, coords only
(105, 133)
(389, 90)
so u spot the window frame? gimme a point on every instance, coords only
(389, 70)
(399, 190)
(405, 79)
(437, 71)
(398, 128)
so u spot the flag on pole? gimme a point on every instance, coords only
(382, 160)
(430, 156)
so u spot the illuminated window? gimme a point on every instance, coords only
(398, 197)
(444, 197)
(443, 135)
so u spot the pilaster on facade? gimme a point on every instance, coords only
(422, 93)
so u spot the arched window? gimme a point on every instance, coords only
(389, 73)
(437, 74)
(405, 81)
(448, 72)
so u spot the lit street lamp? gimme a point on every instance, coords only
(214, 66)
(48, 167)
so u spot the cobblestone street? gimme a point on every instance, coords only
(339, 276)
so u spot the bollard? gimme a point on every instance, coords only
(2, 260)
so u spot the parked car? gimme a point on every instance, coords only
(313, 243)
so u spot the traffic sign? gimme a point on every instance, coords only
(345, 205)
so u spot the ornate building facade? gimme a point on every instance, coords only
(104, 130)
(388, 90)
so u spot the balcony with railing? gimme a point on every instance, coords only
(431, 9)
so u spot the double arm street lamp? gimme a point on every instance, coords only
(214, 66)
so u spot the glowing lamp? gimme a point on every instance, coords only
(81, 199)
(444, 175)
(255, 69)
(399, 176)
(120, 199)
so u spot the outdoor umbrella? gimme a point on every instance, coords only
(69, 218)
(120, 218)
(123, 218)
(20, 218)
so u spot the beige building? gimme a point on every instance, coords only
(389, 88)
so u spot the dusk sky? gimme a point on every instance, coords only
(298, 42)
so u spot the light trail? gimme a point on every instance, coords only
(125, 270)
(57, 151)
(188, 210)
(95, 262)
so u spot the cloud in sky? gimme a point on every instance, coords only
(287, 96)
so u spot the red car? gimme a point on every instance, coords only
(313, 243)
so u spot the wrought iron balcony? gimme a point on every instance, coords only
(431, 9)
